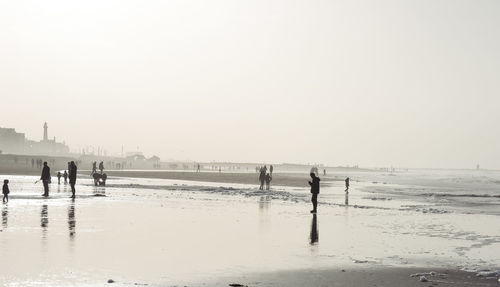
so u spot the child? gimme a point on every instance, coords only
(5, 191)
(268, 180)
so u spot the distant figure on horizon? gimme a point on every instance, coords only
(94, 168)
(324, 171)
(59, 177)
(101, 166)
(271, 169)
(198, 168)
(32, 163)
(219, 169)
(314, 190)
(268, 179)
(5, 191)
(45, 178)
(65, 175)
(72, 178)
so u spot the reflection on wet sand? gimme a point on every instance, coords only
(5, 216)
(44, 220)
(71, 219)
(99, 191)
(314, 235)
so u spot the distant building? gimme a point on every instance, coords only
(16, 143)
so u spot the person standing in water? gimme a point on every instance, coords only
(5, 191)
(271, 169)
(65, 175)
(72, 178)
(314, 190)
(59, 177)
(45, 178)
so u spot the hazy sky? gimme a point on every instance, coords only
(375, 83)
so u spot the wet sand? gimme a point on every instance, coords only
(281, 179)
(359, 277)
(178, 233)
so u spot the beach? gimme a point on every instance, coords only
(185, 232)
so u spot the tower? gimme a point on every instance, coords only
(45, 133)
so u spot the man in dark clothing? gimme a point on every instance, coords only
(314, 190)
(72, 177)
(45, 178)
(347, 185)
(101, 166)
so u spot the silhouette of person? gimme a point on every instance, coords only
(59, 177)
(314, 235)
(94, 168)
(5, 191)
(271, 169)
(324, 171)
(347, 185)
(45, 178)
(101, 166)
(262, 178)
(32, 163)
(72, 178)
(65, 175)
(314, 190)
(268, 179)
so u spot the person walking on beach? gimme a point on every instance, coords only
(94, 168)
(347, 191)
(65, 175)
(5, 191)
(45, 178)
(59, 177)
(314, 190)
(101, 166)
(72, 178)
(268, 179)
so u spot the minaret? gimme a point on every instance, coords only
(45, 134)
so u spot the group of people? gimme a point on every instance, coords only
(265, 177)
(71, 174)
(94, 167)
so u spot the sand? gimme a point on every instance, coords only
(359, 277)
(163, 232)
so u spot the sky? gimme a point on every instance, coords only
(371, 83)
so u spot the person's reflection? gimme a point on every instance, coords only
(264, 203)
(71, 219)
(5, 216)
(99, 191)
(44, 220)
(314, 236)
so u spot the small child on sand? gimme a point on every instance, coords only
(5, 191)
(268, 179)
